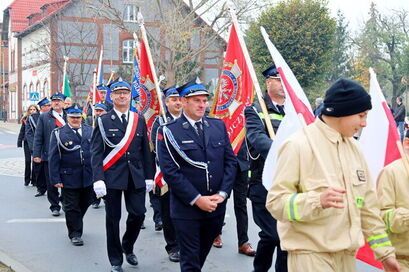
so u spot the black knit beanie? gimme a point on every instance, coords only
(345, 97)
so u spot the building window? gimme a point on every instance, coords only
(30, 90)
(38, 90)
(127, 50)
(44, 92)
(130, 13)
(25, 93)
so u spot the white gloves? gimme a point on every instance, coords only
(149, 185)
(100, 189)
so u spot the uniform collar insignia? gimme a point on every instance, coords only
(185, 125)
(206, 123)
(113, 116)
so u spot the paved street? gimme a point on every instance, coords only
(32, 240)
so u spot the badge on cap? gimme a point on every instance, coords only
(329, 109)
(361, 175)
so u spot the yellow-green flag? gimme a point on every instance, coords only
(66, 87)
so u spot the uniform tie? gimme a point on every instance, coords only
(199, 130)
(77, 133)
(124, 122)
(281, 109)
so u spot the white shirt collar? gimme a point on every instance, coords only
(79, 129)
(175, 116)
(275, 104)
(120, 114)
(191, 121)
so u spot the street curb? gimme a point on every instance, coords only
(13, 264)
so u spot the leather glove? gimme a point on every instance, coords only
(100, 188)
(149, 185)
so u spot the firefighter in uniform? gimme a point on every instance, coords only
(393, 191)
(174, 110)
(47, 122)
(122, 163)
(198, 163)
(44, 105)
(326, 210)
(103, 91)
(70, 169)
(259, 143)
(100, 109)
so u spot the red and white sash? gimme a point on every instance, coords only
(59, 121)
(123, 145)
(159, 181)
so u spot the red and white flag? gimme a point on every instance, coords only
(235, 90)
(297, 110)
(379, 145)
(148, 99)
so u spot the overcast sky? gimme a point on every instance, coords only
(354, 10)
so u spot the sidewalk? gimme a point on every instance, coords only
(14, 127)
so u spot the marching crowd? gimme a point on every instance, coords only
(320, 210)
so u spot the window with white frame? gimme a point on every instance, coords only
(25, 93)
(127, 50)
(44, 92)
(37, 90)
(130, 13)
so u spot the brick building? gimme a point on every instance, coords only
(39, 33)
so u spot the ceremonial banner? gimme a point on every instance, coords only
(379, 142)
(148, 100)
(297, 110)
(235, 91)
(136, 83)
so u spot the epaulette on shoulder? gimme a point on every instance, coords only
(169, 123)
(212, 118)
(56, 129)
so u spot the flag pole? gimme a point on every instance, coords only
(253, 75)
(148, 51)
(110, 77)
(94, 96)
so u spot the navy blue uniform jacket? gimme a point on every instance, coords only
(259, 144)
(71, 168)
(32, 121)
(137, 161)
(45, 125)
(186, 181)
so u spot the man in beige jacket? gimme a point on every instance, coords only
(393, 193)
(326, 209)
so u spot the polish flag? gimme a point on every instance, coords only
(298, 112)
(379, 142)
